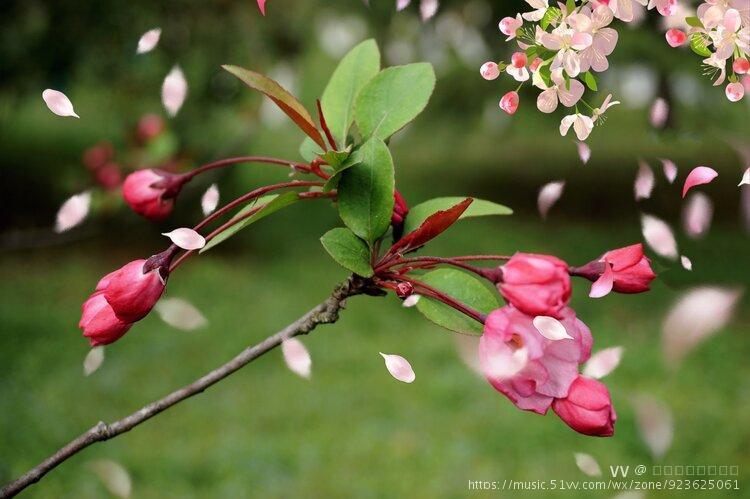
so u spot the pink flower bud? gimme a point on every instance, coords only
(741, 65)
(518, 59)
(109, 176)
(149, 126)
(509, 102)
(489, 70)
(631, 268)
(98, 155)
(133, 290)
(509, 25)
(536, 284)
(535, 64)
(735, 91)
(587, 408)
(99, 322)
(675, 37)
(150, 193)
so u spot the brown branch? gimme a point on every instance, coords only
(325, 313)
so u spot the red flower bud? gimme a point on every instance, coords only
(631, 268)
(536, 284)
(404, 289)
(151, 193)
(99, 322)
(587, 408)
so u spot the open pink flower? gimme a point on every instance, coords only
(728, 34)
(567, 42)
(547, 101)
(587, 408)
(599, 111)
(603, 42)
(536, 284)
(546, 369)
(624, 10)
(151, 193)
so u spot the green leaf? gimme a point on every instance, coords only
(590, 80)
(393, 98)
(463, 287)
(570, 6)
(352, 159)
(336, 158)
(365, 191)
(551, 16)
(694, 21)
(479, 208)
(531, 52)
(348, 250)
(699, 44)
(309, 150)
(286, 101)
(272, 204)
(357, 68)
(545, 73)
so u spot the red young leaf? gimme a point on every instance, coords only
(431, 227)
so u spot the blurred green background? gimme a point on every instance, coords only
(351, 430)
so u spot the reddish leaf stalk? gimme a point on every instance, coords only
(324, 126)
(246, 159)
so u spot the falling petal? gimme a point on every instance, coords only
(297, 357)
(697, 315)
(468, 350)
(587, 464)
(584, 152)
(745, 178)
(686, 263)
(603, 362)
(698, 176)
(399, 367)
(148, 41)
(174, 90)
(659, 113)
(602, 286)
(114, 477)
(427, 9)
(210, 199)
(670, 170)
(262, 6)
(73, 211)
(402, 4)
(411, 300)
(697, 214)
(644, 181)
(654, 420)
(659, 236)
(550, 328)
(58, 103)
(186, 238)
(548, 196)
(180, 314)
(93, 360)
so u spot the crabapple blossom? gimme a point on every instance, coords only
(587, 408)
(567, 42)
(631, 268)
(675, 37)
(735, 91)
(599, 111)
(536, 284)
(517, 68)
(509, 102)
(603, 42)
(489, 70)
(540, 8)
(582, 125)
(741, 65)
(547, 101)
(509, 26)
(535, 64)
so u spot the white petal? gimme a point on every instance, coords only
(186, 238)
(411, 300)
(93, 360)
(587, 464)
(210, 199)
(745, 178)
(698, 314)
(180, 314)
(148, 41)
(602, 286)
(297, 357)
(603, 362)
(655, 424)
(644, 181)
(174, 90)
(58, 103)
(697, 214)
(670, 170)
(550, 328)
(73, 211)
(584, 152)
(402, 4)
(114, 477)
(659, 236)
(686, 263)
(427, 9)
(399, 367)
(548, 196)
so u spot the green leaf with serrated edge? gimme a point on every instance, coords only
(590, 80)
(694, 22)
(393, 98)
(479, 208)
(365, 191)
(699, 44)
(463, 287)
(348, 250)
(274, 204)
(282, 98)
(333, 181)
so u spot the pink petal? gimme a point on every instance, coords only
(655, 424)
(584, 152)
(410, 300)
(697, 213)
(686, 263)
(659, 236)
(604, 284)
(73, 211)
(180, 314)
(210, 199)
(659, 113)
(644, 181)
(402, 4)
(670, 170)
(700, 175)
(548, 196)
(186, 239)
(550, 328)
(297, 357)
(745, 178)
(587, 464)
(399, 367)
(148, 41)
(603, 362)
(174, 90)
(262, 6)
(58, 103)
(570, 97)
(427, 9)
(93, 360)
(580, 41)
(696, 316)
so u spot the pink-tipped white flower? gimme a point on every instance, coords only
(489, 70)
(603, 42)
(509, 26)
(735, 91)
(567, 42)
(547, 101)
(664, 7)
(675, 37)
(741, 65)
(509, 102)
(582, 125)
(517, 68)
(540, 8)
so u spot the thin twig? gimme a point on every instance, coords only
(325, 313)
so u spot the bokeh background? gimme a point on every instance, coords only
(351, 430)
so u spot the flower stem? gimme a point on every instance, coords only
(246, 159)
